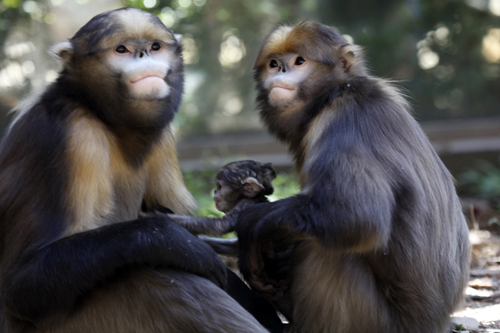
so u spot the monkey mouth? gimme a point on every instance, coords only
(280, 94)
(282, 91)
(150, 86)
(148, 77)
(282, 87)
(220, 206)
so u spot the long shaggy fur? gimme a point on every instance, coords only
(381, 244)
(75, 168)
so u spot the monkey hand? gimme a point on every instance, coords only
(165, 244)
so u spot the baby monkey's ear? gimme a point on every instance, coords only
(251, 187)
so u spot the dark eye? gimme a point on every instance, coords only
(299, 61)
(273, 64)
(121, 49)
(155, 46)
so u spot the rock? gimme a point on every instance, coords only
(467, 322)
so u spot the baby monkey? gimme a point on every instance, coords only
(238, 185)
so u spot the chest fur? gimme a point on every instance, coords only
(103, 187)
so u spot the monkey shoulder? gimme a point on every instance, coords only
(32, 178)
(34, 141)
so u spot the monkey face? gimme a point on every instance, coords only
(283, 76)
(126, 48)
(296, 64)
(225, 197)
(143, 66)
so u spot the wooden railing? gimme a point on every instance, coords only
(458, 142)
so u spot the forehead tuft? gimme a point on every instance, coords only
(314, 41)
(109, 29)
(140, 24)
(278, 37)
(274, 44)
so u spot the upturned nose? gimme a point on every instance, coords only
(142, 53)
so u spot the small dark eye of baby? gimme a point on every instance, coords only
(299, 61)
(273, 64)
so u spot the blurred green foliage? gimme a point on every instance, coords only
(482, 181)
(446, 54)
(11, 12)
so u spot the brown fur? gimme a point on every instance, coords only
(165, 183)
(75, 167)
(105, 188)
(145, 298)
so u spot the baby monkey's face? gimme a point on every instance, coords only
(225, 197)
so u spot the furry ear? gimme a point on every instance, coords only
(62, 51)
(347, 60)
(251, 187)
(351, 59)
(178, 37)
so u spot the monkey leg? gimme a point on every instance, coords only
(335, 292)
(149, 300)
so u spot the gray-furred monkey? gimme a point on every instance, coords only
(381, 244)
(75, 167)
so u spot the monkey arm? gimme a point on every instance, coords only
(215, 226)
(342, 222)
(207, 225)
(351, 209)
(54, 276)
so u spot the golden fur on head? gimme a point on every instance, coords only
(109, 29)
(313, 41)
(137, 24)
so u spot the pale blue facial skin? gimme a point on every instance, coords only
(283, 76)
(143, 68)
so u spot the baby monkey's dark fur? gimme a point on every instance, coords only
(238, 185)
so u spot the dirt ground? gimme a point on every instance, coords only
(482, 305)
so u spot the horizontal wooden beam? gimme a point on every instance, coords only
(449, 138)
